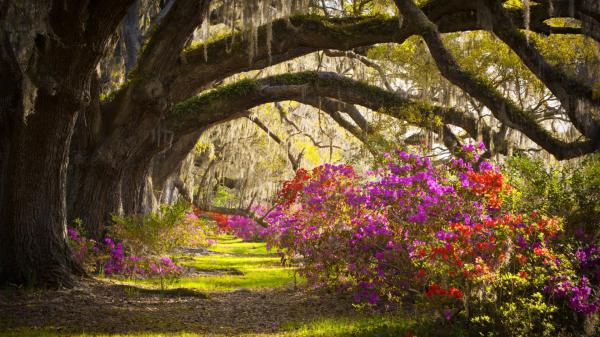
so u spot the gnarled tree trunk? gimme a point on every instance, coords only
(48, 54)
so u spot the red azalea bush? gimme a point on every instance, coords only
(221, 220)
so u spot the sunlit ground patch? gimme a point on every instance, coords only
(234, 265)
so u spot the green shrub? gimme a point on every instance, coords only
(571, 192)
(159, 232)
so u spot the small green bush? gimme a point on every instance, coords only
(159, 232)
(571, 192)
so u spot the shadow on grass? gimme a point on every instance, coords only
(173, 292)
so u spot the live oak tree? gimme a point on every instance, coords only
(52, 93)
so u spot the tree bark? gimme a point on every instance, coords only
(35, 209)
(97, 196)
(137, 187)
(48, 53)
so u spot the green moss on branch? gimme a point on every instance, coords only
(191, 107)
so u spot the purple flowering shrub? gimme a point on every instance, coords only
(438, 231)
(581, 289)
(110, 258)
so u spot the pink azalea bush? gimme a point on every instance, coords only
(246, 228)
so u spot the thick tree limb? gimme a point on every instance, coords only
(170, 36)
(301, 35)
(575, 97)
(227, 102)
(503, 109)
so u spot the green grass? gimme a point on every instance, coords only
(380, 326)
(259, 269)
(232, 245)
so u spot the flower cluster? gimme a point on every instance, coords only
(582, 290)
(221, 220)
(291, 188)
(589, 262)
(115, 263)
(164, 266)
(246, 228)
(437, 290)
(80, 246)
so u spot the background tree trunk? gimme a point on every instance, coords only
(137, 191)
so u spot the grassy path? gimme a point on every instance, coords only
(233, 265)
(238, 289)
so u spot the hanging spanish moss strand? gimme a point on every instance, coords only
(269, 14)
(205, 29)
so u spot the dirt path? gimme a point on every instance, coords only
(101, 307)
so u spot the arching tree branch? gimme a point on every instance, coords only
(301, 35)
(227, 102)
(168, 39)
(503, 109)
(575, 97)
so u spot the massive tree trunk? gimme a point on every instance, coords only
(35, 210)
(38, 118)
(48, 55)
